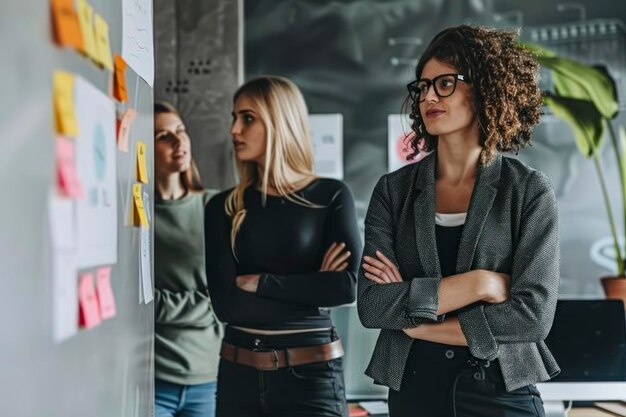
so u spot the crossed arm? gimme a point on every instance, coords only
(455, 291)
(514, 309)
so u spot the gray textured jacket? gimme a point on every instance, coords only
(511, 227)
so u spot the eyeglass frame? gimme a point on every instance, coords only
(414, 91)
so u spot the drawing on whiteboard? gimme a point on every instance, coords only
(137, 42)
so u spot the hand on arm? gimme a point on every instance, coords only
(455, 291)
(335, 258)
(447, 332)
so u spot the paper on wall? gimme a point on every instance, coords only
(96, 166)
(137, 43)
(327, 141)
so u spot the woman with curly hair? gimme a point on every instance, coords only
(461, 259)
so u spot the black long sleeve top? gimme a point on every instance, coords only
(284, 242)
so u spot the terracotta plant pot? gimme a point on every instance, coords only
(615, 288)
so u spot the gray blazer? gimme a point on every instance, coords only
(511, 227)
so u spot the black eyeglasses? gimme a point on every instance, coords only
(444, 86)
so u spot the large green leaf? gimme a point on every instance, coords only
(584, 119)
(575, 80)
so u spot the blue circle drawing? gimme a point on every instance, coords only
(99, 153)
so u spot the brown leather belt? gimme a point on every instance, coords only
(273, 359)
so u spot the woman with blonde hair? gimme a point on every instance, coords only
(187, 333)
(280, 243)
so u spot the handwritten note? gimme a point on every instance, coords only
(139, 212)
(85, 20)
(89, 309)
(106, 298)
(68, 181)
(123, 129)
(65, 23)
(63, 93)
(119, 80)
(102, 42)
(142, 169)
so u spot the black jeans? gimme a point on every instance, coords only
(446, 381)
(312, 390)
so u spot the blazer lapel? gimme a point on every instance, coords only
(424, 216)
(481, 201)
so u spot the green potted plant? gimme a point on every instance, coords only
(585, 97)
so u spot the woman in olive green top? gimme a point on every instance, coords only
(187, 334)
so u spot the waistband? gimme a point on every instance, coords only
(274, 359)
(252, 341)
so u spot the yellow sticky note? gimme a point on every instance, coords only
(102, 42)
(142, 170)
(139, 212)
(63, 93)
(85, 20)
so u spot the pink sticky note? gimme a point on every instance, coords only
(67, 177)
(105, 293)
(89, 310)
(123, 129)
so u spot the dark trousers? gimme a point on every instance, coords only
(312, 390)
(446, 381)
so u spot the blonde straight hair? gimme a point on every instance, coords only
(288, 151)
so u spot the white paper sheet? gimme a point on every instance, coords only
(327, 138)
(96, 214)
(375, 407)
(64, 294)
(145, 260)
(61, 221)
(137, 43)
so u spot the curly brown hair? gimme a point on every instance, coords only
(504, 79)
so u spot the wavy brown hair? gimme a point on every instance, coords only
(504, 79)
(191, 176)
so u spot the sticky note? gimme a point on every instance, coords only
(102, 42)
(123, 129)
(67, 178)
(85, 21)
(119, 79)
(106, 299)
(89, 309)
(142, 170)
(65, 23)
(139, 212)
(63, 94)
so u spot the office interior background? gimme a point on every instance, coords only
(351, 58)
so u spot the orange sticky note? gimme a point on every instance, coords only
(89, 310)
(123, 129)
(139, 212)
(102, 42)
(119, 80)
(67, 177)
(85, 21)
(63, 93)
(65, 22)
(106, 299)
(142, 170)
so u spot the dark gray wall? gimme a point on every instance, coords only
(106, 371)
(355, 58)
(198, 68)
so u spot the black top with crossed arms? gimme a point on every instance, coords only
(285, 242)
